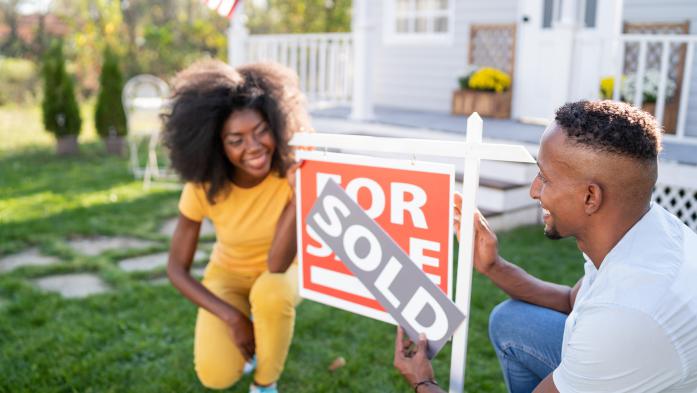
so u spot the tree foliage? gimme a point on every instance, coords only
(12, 45)
(61, 114)
(161, 37)
(158, 37)
(110, 117)
(298, 16)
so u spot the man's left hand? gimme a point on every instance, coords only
(411, 359)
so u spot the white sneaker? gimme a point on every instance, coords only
(250, 365)
(253, 388)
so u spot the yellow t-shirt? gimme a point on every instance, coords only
(244, 220)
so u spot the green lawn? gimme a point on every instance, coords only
(138, 338)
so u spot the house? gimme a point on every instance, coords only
(400, 64)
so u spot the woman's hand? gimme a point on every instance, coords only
(486, 245)
(290, 174)
(182, 250)
(242, 332)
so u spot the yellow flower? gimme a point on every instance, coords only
(607, 86)
(490, 79)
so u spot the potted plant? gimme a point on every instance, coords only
(649, 94)
(483, 90)
(110, 117)
(61, 114)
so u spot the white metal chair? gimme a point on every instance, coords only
(144, 97)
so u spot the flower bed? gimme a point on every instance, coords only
(485, 91)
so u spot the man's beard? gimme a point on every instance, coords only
(552, 233)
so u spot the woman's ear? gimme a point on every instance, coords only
(593, 199)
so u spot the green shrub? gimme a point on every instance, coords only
(61, 114)
(19, 81)
(110, 117)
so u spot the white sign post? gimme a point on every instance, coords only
(472, 151)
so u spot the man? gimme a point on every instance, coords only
(630, 323)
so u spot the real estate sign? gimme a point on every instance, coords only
(406, 293)
(410, 200)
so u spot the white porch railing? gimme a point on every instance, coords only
(324, 62)
(672, 61)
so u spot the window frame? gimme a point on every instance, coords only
(392, 37)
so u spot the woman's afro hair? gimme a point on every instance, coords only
(206, 94)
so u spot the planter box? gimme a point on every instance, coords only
(486, 103)
(67, 145)
(114, 145)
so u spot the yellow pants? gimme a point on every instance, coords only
(271, 298)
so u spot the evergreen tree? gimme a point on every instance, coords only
(110, 117)
(61, 114)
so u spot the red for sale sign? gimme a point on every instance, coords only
(410, 200)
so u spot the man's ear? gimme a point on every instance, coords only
(594, 198)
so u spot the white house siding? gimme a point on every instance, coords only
(670, 11)
(422, 77)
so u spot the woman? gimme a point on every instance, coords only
(228, 135)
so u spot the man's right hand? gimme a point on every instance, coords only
(486, 246)
(242, 332)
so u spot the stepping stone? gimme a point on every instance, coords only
(159, 281)
(152, 261)
(206, 246)
(30, 257)
(93, 246)
(197, 272)
(76, 285)
(168, 227)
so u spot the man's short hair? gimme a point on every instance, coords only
(611, 126)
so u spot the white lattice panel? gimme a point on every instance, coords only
(493, 46)
(680, 201)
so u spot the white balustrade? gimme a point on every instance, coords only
(669, 44)
(323, 62)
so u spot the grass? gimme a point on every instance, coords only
(138, 338)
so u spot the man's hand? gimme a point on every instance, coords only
(242, 332)
(410, 359)
(486, 253)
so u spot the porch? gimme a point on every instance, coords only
(437, 124)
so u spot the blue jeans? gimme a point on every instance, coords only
(527, 340)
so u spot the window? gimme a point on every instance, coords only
(419, 20)
(550, 12)
(585, 15)
(590, 13)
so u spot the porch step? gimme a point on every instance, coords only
(508, 171)
(500, 196)
(502, 221)
(504, 204)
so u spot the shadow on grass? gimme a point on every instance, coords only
(139, 217)
(37, 170)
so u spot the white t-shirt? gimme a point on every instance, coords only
(634, 324)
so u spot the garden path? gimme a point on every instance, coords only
(81, 284)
